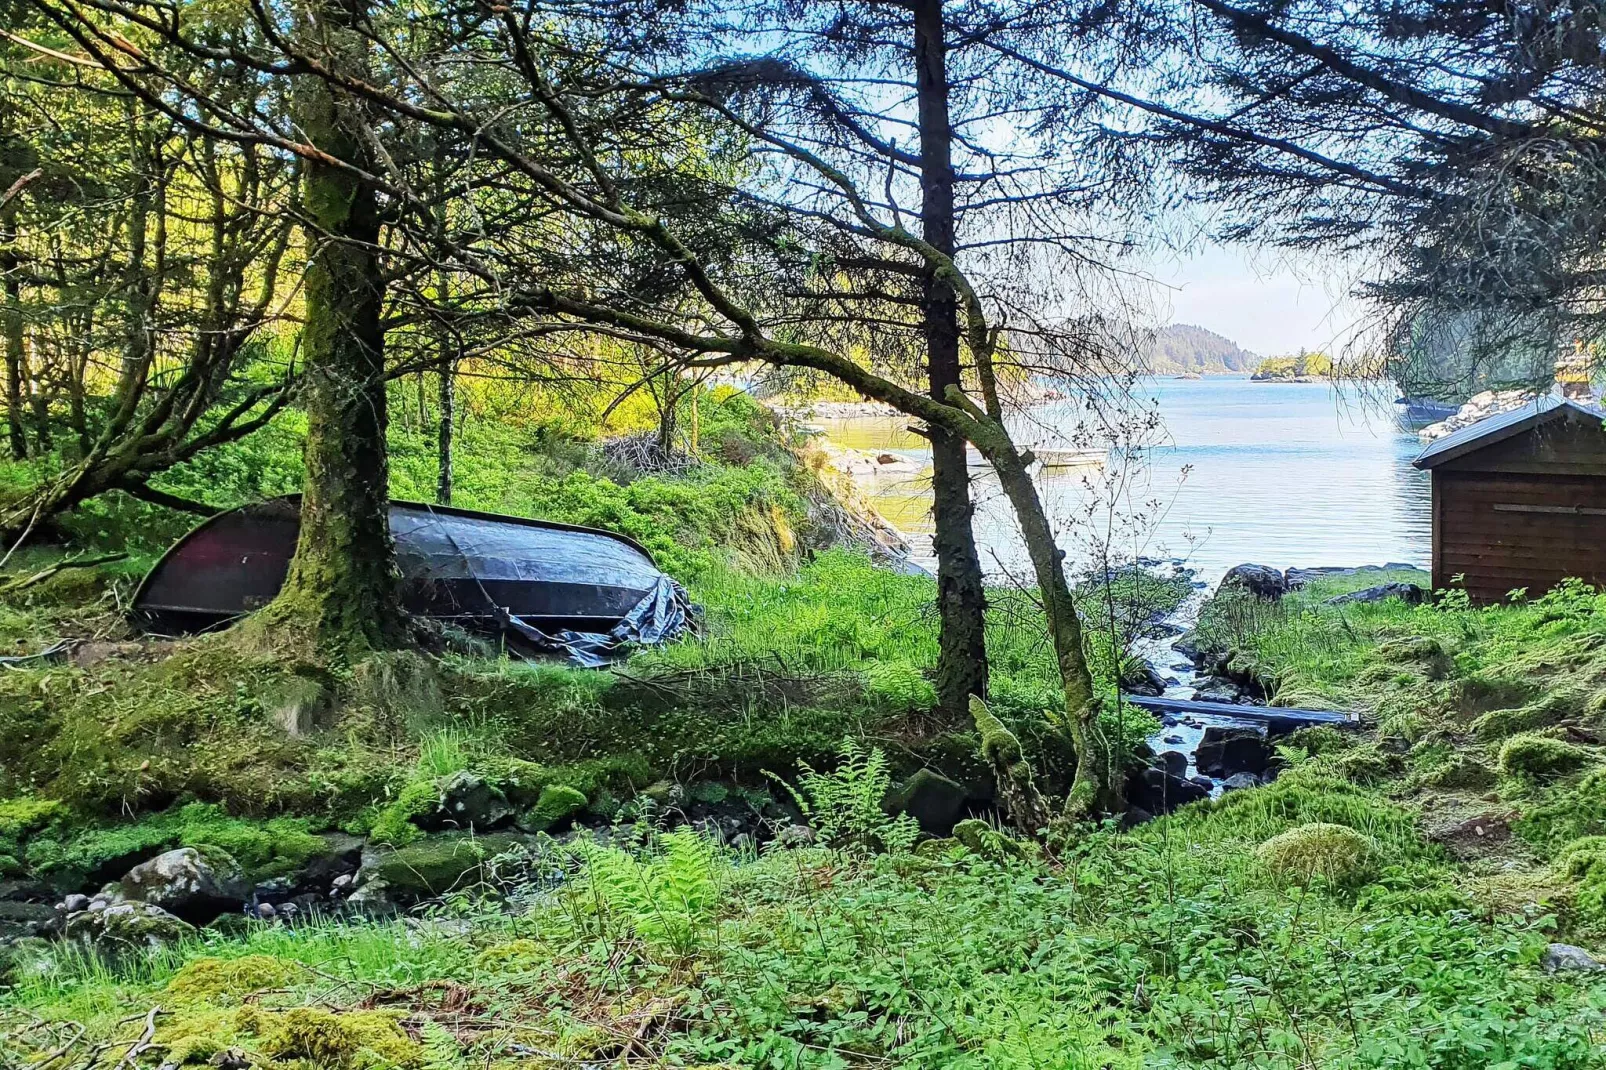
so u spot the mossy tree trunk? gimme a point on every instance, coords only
(1097, 786)
(961, 594)
(342, 586)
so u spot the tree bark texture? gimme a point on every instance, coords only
(961, 595)
(342, 582)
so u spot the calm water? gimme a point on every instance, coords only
(1231, 471)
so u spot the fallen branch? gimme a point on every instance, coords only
(61, 566)
(141, 1045)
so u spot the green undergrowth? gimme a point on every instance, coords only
(1176, 944)
(1497, 711)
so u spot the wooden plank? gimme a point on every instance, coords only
(1275, 718)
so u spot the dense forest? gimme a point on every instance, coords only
(436, 632)
(1182, 347)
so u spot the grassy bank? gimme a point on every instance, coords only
(1489, 719)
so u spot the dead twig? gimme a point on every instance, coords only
(146, 1036)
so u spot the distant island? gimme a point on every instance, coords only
(1184, 349)
(1301, 367)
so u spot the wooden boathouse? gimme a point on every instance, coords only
(1519, 499)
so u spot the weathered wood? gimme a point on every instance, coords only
(1275, 718)
(1525, 512)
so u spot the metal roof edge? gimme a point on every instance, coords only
(1501, 426)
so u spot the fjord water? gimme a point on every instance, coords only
(1284, 474)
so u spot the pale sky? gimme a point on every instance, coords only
(1261, 300)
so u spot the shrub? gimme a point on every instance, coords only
(1335, 853)
(1535, 756)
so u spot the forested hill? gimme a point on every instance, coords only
(1182, 347)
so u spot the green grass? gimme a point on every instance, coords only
(1168, 946)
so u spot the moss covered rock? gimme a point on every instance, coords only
(1538, 756)
(558, 803)
(1336, 854)
(434, 866)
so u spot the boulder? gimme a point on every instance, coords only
(1565, 958)
(431, 867)
(1240, 781)
(1221, 689)
(1143, 680)
(1174, 762)
(1159, 792)
(341, 857)
(1224, 750)
(1409, 593)
(20, 919)
(467, 800)
(932, 799)
(193, 883)
(122, 927)
(1262, 581)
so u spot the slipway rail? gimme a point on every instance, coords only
(1275, 718)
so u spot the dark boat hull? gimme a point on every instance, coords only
(455, 565)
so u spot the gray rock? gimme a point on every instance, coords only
(1143, 680)
(1240, 781)
(931, 799)
(467, 800)
(1262, 581)
(20, 920)
(1175, 740)
(1225, 750)
(1409, 593)
(1218, 689)
(1203, 782)
(1173, 762)
(1159, 792)
(72, 904)
(125, 927)
(193, 884)
(1560, 958)
(267, 912)
(795, 836)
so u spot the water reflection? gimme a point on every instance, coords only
(1283, 474)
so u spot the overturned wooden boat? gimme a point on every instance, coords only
(543, 584)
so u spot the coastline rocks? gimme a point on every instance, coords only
(188, 883)
(1224, 751)
(1262, 581)
(1478, 407)
(1240, 781)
